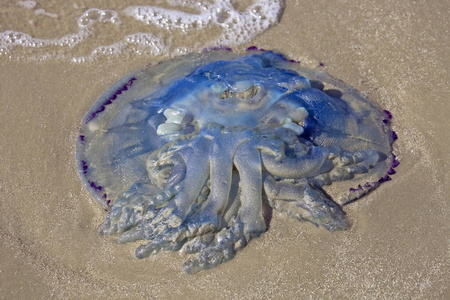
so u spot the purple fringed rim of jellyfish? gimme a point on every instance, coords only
(361, 190)
(111, 99)
(387, 121)
(93, 185)
(84, 166)
(254, 48)
(84, 163)
(81, 139)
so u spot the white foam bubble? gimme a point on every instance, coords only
(93, 15)
(237, 26)
(27, 4)
(9, 39)
(138, 43)
(41, 11)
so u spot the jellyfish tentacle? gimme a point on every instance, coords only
(155, 246)
(133, 234)
(178, 173)
(136, 204)
(300, 166)
(198, 243)
(161, 236)
(219, 169)
(300, 200)
(208, 217)
(197, 170)
(221, 249)
(248, 163)
(133, 210)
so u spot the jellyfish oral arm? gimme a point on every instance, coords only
(298, 167)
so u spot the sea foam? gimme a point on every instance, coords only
(170, 30)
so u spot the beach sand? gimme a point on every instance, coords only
(395, 52)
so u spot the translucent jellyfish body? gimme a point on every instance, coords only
(193, 154)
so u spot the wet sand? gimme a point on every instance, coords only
(396, 52)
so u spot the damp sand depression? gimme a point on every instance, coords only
(395, 53)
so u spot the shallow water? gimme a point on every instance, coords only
(397, 247)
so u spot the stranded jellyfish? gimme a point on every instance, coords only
(193, 154)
